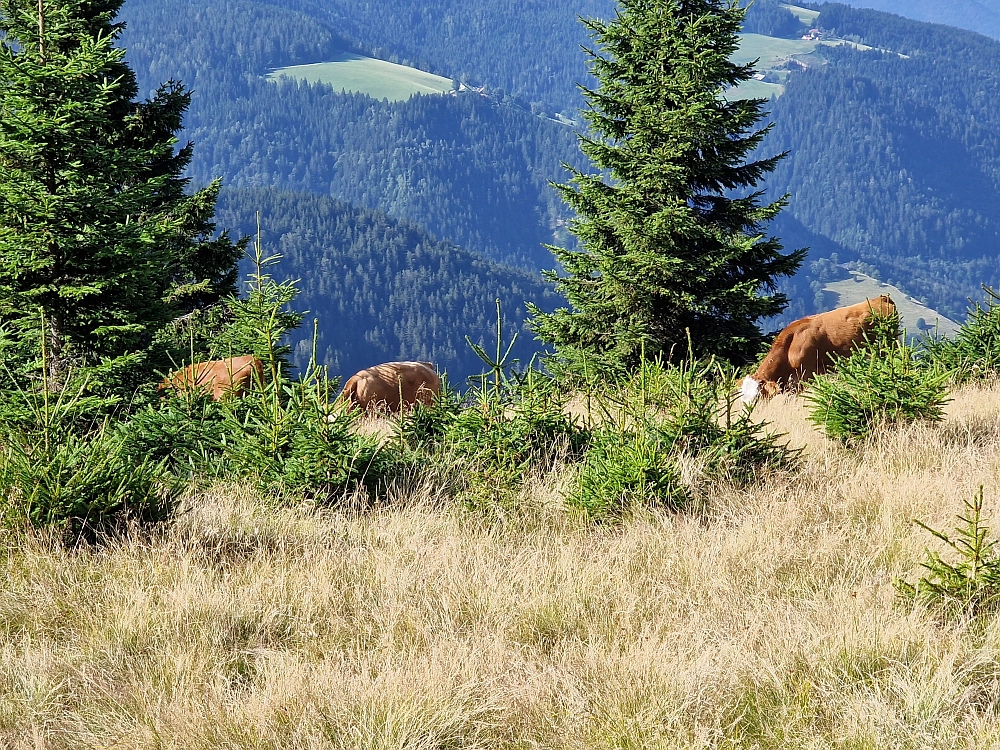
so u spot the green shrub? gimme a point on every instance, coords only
(971, 585)
(425, 426)
(506, 432)
(79, 483)
(184, 431)
(657, 419)
(880, 383)
(285, 439)
(624, 471)
(974, 352)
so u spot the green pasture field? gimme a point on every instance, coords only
(803, 14)
(861, 287)
(366, 75)
(755, 90)
(770, 50)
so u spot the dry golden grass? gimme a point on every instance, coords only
(768, 620)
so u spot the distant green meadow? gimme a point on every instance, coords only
(366, 75)
(805, 15)
(773, 55)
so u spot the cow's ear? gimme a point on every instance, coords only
(771, 389)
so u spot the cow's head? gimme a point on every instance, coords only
(752, 389)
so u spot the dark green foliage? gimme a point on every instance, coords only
(974, 352)
(260, 323)
(383, 289)
(500, 437)
(659, 418)
(95, 227)
(769, 18)
(80, 483)
(969, 586)
(669, 254)
(424, 426)
(879, 384)
(185, 432)
(61, 469)
(285, 441)
(625, 471)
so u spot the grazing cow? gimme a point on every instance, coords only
(805, 347)
(221, 377)
(393, 386)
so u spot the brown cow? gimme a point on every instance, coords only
(805, 347)
(221, 377)
(392, 386)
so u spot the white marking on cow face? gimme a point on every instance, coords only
(750, 390)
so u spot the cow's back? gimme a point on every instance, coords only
(808, 346)
(393, 385)
(220, 378)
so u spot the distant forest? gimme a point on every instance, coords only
(384, 289)
(896, 155)
(467, 168)
(893, 161)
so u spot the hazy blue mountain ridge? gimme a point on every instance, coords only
(982, 16)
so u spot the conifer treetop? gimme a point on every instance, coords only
(671, 223)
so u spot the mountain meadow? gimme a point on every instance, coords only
(627, 516)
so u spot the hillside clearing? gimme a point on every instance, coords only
(766, 621)
(379, 79)
(861, 287)
(805, 15)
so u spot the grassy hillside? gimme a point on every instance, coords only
(358, 74)
(766, 620)
(860, 287)
(807, 16)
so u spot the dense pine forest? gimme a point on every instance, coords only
(382, 288)
(893, 155)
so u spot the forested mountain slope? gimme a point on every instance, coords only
(896, 155)
(383, 289)
(976, 15)
(468, 168)
(529, 48)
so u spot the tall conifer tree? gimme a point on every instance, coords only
(98, 237)
(669, 247)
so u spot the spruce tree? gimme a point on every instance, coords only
(98, 236)
(671, 227)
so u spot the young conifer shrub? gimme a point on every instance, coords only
(423, 427)
(63, 467)
(879, 383)
(622, 471)
(507, 431)
(80, 483)
(660, 418)
(971, 584)
(974, 352)
(185, 431)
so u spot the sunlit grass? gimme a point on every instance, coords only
(767, 619)
(379, 79)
